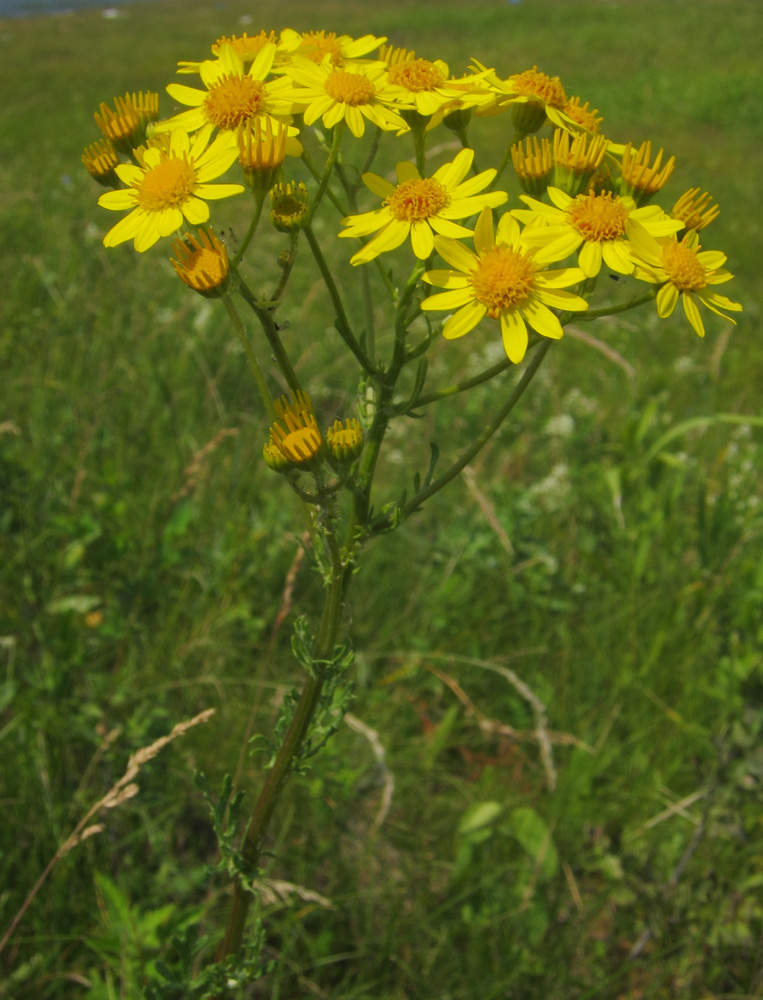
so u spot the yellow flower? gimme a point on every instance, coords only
(125, 127)
(576, 159)
(233, 97)
(683, 272)
(289, 207)
(295, 433)
(261, 153)
(582, 115)
(202, 263)
(168, 187)
(640, 180)
(428, 85)
(317, 45)
(534, 98)
(344, 441)
(353, 94)
(596, 223)
(533, 164)
(692, 209)
(505, 280)
(100, 159)
(247, 47)
(421, 206)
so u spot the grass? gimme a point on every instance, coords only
(628, 599)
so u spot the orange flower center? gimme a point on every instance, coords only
(533, 83)
(598, 217)
(166, 185)
(416, 74)
(233, 100)
(246, 46)
(415, 200)
(683, 268)
(582, 114)
(315, 45)
(503, 279)
(349, 88)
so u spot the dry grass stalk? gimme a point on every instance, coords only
(124, 789)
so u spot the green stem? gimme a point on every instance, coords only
(268, 324)
(254, 364)
(342, 322)
(452, 390)
(286, 269)
(384, 394)
(478, 444)
(613, 310)
(323, 647)
(328, 167)
(258, 203)
(317, 176)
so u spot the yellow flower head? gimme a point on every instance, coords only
(692, 209)
(318, 46)
(593, 223)
(683, 271)
(344, 441)
(289, 207)
(534, 98)
(582, 115)
(640, 180)
(576, 159)
(261, 152)
(169, 186)
(126, 126)
(247, 47)
(354, 93)
(419, 207)
(533, 164)
(295, 433)
(233, 97)
(504, 279)
(100, 159)
(428, 87)
(202, 263)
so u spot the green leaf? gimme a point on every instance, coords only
(533, 834)
(478, 816)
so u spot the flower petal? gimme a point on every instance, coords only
(455, 253)
(463, 321)
(514, 335)
(422, 239)
(449, 300)
(692, 313)
(667, 299)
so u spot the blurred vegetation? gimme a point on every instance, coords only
(606, 550)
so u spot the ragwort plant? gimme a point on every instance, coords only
(436, 249)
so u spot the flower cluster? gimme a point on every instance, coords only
(296, 442)
(589, 203)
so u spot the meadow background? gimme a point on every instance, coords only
(607, 549)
